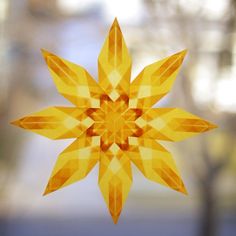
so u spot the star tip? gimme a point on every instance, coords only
(184, 52)
(15, 122)
(213, 126)
(46, 192)
(115, 219)
(115, 23)
(210, 126)
(45, 53)
(116, 20)
(185, 192)
(183, 189)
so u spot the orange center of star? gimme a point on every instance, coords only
(114, 122)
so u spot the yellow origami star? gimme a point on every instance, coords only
(113, 122)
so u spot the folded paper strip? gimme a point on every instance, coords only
(113, 122)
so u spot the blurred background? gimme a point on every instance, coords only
(206, 86)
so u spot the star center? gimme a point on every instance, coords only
(114, 122)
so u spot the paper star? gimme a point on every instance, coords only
(114, 123)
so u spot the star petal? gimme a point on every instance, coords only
(74, 163)
(56, 122)
(156, 163)
(155, 81)
(73, 81)
(171, 124)
(114, 64)
(115, 179)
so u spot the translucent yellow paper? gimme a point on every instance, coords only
(113, 122)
